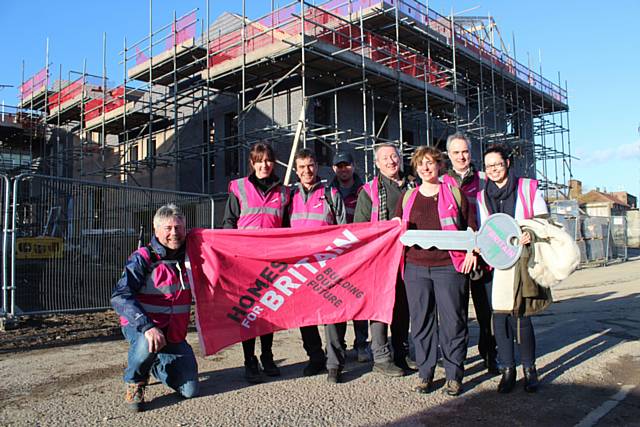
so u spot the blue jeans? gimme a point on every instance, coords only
(174, 365)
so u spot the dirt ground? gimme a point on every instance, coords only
(33, 332)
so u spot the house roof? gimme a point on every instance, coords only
(598, 196)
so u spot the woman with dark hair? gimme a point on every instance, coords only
(435, 279)
(520, 199)
(257, 201)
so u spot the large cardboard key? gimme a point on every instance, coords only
(498, 240)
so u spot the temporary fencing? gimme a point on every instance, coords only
(600, 239)
(65, 241)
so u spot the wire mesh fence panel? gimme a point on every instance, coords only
(4, 205)
(71, 238)
(600, 239)
(619, 237)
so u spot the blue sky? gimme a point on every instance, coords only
(594, 46)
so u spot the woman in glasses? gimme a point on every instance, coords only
(520, 199)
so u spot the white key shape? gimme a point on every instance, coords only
(498, 240)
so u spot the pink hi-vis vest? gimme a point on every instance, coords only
(470, 189)
(449, 213)
(259, 210)
(315, 212)
(371, 188)
(165, 296)
(524, 200)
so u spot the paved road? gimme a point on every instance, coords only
(589, 361)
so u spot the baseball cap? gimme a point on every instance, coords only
(342, 157)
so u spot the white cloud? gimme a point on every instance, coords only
(622, 152)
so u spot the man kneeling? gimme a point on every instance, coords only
(153, 299)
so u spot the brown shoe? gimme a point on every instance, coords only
(135, 396)
(453, 388)
(423, 386)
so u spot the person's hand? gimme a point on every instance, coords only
(525, 239)
(155, 339)
(470, 262)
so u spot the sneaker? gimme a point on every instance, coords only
(334, 376)
(453, 387)
(388, 369)
(313, 368)
(135, 396)
(252, 371)
(269, 367)
(423, 386)
(363, 355)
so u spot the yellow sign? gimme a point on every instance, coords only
(39, 247)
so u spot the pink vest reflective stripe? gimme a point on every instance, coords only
(315, 212)
(166, 297)
(526, 193)
(469, 189)
(371, 188)
(259, 210)
(449, 214)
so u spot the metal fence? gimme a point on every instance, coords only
(600, 239)
(65, 241)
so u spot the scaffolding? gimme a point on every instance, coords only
(341, 75)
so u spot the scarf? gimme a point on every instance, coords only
(503, 200)
(382, 195)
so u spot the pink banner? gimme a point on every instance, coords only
(248, 283)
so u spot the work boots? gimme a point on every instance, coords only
(269, 367)
(135, 396)
(252, 371)
(388, 368)
(508, 380)
(530, 379)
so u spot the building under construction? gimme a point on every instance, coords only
(343, 75)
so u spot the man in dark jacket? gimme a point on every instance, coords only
(153, 299)
(348, 183)
(463, 175)
(377, 201)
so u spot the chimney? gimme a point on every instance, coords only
(575, 188)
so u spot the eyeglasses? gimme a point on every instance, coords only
(494, 166)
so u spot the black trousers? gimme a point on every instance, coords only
(438, 299)
(266, 344)
(312, 344)
(399, 330)
(482, 306)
